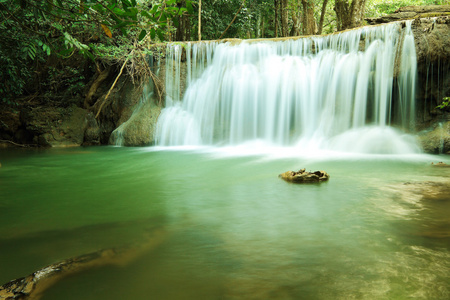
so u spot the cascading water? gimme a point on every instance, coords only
(319, 92)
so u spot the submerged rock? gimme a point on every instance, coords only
(34, 285)
(440, 164)
(302, 176)
(427, 200)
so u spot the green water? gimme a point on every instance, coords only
(225, 227)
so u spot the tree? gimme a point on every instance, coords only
(200, 20)
(322, 16)
(284, 18)
(33, 33)
(349, 15)
(277, 5)
(309, 22)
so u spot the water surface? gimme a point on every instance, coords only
(224, 226)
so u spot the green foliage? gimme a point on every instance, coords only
(218, 14)
(445, 103)
(375, 8)
(67, 79)
(35, 33)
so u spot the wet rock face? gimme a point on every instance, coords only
(436, 140)
(432, 39)
(302, 176)
(431, 28)
(57, 127)
(139, 129)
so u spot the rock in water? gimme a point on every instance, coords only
(439, 164)
(302, 176)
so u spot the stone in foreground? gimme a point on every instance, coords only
(441, 164)
(302, 176)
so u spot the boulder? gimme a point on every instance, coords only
(436, 140)
(302, 176)
(55, 126)
(138, 129)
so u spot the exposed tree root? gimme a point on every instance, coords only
(113, 85)
(159, 85)
(19, 145)
(102, 75)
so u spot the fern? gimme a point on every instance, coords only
(29, 50)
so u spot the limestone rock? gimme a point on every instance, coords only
(139, 129)
(411, 12)
(57, 127)
(436, 140)
(440, 164)
(302, 176)
(91, 130)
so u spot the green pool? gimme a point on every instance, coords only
(224, 226)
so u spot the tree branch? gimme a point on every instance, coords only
(113, 85)
(232, 21)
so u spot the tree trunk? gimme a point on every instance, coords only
(262, 27)
(349, 15)
(358, 12)
(322, 16)
(309, 23)
(276, 17)
(101, 76)
(284, 18)
(296, 19)
(295, 30)
(200, 20)
(188, 29)
(181, 30)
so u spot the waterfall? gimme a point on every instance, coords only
(332, 92)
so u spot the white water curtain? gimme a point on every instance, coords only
(288, 92)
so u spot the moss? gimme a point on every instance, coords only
(433, 14)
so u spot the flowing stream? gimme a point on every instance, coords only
(224, 226)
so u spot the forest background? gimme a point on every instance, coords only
(51, 50)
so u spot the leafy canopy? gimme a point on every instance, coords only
(33, 30)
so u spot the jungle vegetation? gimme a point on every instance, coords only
(52, 49)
